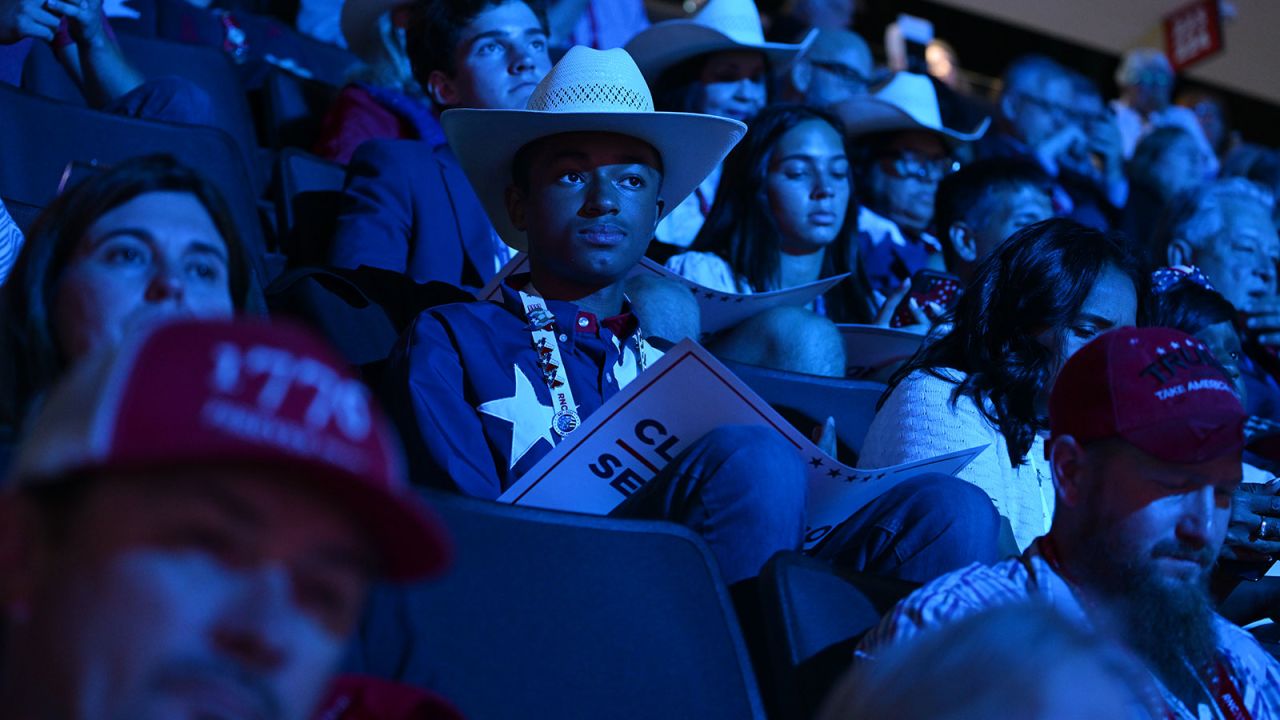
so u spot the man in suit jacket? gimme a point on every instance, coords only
(407, 205)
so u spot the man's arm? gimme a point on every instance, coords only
(94, 58)
(31, 19)
(375, 225)
(426, 395)
(940, 602)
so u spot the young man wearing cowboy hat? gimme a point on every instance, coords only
(407, 205)
(905, 152)
(715, 63)
(192, 526)
(485, 390)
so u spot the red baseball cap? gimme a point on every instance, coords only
(1161, 390)
(237, 392)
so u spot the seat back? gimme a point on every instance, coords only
(813, 618)
(308, 196)
(293, 109)
(39, 138)
(808, 400)
(553, 615)
(361, 312)
(206, 67)
(23, 214)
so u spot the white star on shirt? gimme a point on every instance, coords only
(530, 419)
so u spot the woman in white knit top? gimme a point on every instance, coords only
(1039, 297)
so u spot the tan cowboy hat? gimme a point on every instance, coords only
(587, 91)
(359, 24)
(721, 25)
(908, 101)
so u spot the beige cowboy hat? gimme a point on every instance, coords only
(721, 25)
(587, 91)
(908, 101)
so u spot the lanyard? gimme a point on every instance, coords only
(542, 329)
(1222, 688)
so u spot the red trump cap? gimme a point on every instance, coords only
(1161, 390)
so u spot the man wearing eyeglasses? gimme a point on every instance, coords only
(836, 66)
(903, 151)
(1051, 115)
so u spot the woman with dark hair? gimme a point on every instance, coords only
(715, 63)
(1040, 296)
(784, 216)
(1166, 162)
(145, 239)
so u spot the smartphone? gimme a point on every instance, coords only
(927, 286)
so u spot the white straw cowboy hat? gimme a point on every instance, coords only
(908, 101)
(721, 25)
(587, 91)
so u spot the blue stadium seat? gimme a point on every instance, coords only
(808, 400)
(40, 138)
(308, 195)
(293, 109)
(206, 67)
(813, 618)
(552, 615)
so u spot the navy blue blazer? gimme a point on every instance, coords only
(407, 206)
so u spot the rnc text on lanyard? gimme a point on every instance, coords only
(542, 327)
(1215, 680)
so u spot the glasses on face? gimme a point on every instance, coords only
(910, 166)
(1049, 106)
(847, 75)
(1153, 78)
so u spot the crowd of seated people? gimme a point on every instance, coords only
(197, 493)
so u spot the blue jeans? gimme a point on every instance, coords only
(169, 99)
(922, 528)
(743, 490)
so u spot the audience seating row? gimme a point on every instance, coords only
(565, 615)
(588, 608)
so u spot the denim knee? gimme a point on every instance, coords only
(758, 462)
(169, 99)
(947, 502)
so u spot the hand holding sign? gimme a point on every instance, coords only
(638, 432)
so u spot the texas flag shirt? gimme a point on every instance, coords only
(465, 385)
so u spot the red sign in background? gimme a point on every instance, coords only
(1192, 33)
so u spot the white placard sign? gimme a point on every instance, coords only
(685, 395)
(719, 310)
(869, 347)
